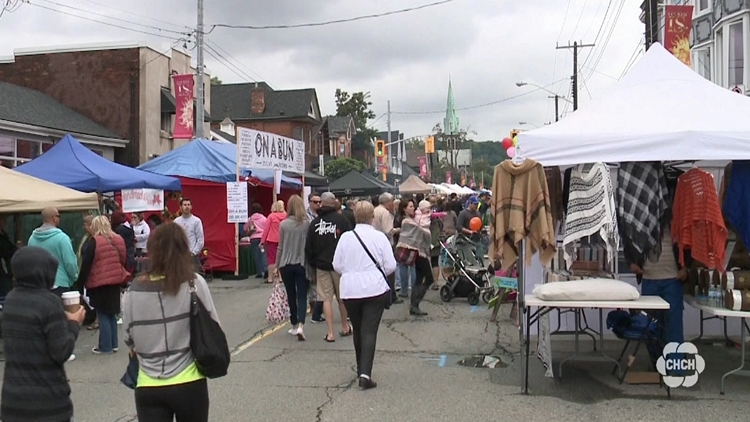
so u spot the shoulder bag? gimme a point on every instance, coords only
(207, 340)
(377, 265)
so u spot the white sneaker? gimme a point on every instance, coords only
(72, 357)
(119, 321)
(300, 334)
(292, 331)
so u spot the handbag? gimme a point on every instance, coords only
(126, 275)
(278, 305)
(130, 377)
(377, 265)
(406, 256)
(207, 340)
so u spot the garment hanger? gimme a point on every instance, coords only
(518, 158)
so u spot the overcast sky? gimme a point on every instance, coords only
(483, 46)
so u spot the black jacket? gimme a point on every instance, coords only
(323, 236)
(128, 235)
(39, 339)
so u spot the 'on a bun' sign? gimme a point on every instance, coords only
(263, 150)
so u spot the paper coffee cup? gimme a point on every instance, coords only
(71, 301)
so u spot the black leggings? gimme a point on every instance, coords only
(422, 282)
(188, 402)
(365, 315)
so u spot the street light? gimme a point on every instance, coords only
(527, 123)
(521, 83)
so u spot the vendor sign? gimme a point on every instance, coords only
(263, 150)
(183, 122)
(139, 200)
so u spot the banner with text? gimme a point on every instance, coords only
(678, 20)
(183, 122)
(139, 200)
(236, 202)
(423, 166)
(263, 150)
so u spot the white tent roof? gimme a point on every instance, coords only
(22, 193)
(661, 110)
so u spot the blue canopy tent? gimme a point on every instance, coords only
(72, 165)
(210, 161)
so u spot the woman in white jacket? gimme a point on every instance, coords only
(364, 258)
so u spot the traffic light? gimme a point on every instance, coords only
(429, 145)
(380, 148)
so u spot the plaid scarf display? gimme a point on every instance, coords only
(642, 210)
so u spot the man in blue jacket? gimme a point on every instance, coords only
(49, 237)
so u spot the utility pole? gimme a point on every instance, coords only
(388, 141)
(557, 106)
(574, 78)
(200, 111)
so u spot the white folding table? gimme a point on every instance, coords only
(545, 306)
(744, 329)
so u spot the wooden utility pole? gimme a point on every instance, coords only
(575, 48)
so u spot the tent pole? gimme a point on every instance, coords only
(237, 225)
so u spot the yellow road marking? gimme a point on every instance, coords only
(258, 338)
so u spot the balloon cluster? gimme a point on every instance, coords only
(510, 146)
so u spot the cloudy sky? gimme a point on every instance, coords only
(483, 46)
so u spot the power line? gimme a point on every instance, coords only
(596, 39)
(609, 37)
(116, 19)
(137, 15)
(101, 22)
(229, 65)
(225, 52)
(332, 22)
(633, 57)
(481, 105)
(583, 9)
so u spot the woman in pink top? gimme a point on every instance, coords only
(255, 227)
(270, 238)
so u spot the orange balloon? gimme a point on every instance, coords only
(475, 224)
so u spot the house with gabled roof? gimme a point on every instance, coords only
(294, 113)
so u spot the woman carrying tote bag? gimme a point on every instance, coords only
(156, 317)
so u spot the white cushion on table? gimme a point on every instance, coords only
(601, 289)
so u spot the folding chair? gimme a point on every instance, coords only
(639, 327)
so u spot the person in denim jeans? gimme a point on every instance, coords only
(291, 263)
(254, 227)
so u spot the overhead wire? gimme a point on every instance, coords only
(554, 65)
(173, 38)
(633, 57)
(227, 54)
(229, 65)
(598, 33)
(331, 22)
(136, 14)
(480, 105)
(606, 41)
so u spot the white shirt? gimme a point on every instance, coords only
(193, 227)
(142, 232)
(360, 278)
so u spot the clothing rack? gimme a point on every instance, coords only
(520, 303)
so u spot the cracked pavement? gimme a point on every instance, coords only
(277, 378)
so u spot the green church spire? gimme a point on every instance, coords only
(450, 123)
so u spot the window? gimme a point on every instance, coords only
(736, 62)
(7, 146)
(27, 149)
(166, 122)
(702, 5)
(702, 62)
(297, 133)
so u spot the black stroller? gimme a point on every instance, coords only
(470, 278)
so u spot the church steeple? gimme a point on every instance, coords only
(450, 123)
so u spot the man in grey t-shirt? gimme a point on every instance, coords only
(193, 227)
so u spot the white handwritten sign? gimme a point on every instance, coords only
(137, 200)
(236, 202)
(263, 150)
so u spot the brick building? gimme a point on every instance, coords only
(126, 88)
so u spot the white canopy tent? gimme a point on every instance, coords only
(660, 111)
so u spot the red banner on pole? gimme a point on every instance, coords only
(183, 122)
(678, 20)
(423, 166)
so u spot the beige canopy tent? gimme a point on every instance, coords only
(414, 184)
(21, 193)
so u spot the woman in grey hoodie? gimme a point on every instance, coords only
(291, 262)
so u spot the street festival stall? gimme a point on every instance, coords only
(258, 151)
(413, 185)
(663, 112)
(20, 193)
(206, 169)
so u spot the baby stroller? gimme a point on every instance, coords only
(470, 278)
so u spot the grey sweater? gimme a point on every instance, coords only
(292, 236)
(157, 325)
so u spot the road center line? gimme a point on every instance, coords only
(258, 338)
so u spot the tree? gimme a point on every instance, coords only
(341, 166)
(215, 80)
(357, 105)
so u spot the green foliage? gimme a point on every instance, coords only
(341, 166)
(357, 105)
(215, 80)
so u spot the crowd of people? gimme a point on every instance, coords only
(364, 256)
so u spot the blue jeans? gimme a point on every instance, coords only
(670, 290)
(259, 258)
(107, 332)
(405, 276)
(296, 285)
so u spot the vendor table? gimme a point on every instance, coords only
(544, 307)
(744, 329)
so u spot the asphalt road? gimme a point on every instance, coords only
(274, 377)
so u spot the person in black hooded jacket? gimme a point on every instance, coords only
(322, 238)
(39, 338)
